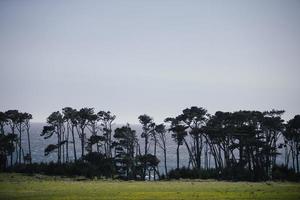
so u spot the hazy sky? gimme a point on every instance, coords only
(155, 57)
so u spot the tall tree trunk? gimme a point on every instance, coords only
(74, 145)
(109, 140)
(63, 147)
(58, 150)
(293, 158)
(29, 147)
(177, 153)
(297, 158)
(20, 142)
(146, 152)
(165, 161)
(192, 158)
(197, 152)
(155, 142)
(82, 142)
(241, 163)
(67, 144)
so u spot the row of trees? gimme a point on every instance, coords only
(94, 130)
(64, 125)
(239, 141)
(242, 142)
(13, 126)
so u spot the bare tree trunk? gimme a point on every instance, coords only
(297, 158)
(11, 153)
(58, 152)
(82, 142)
(20, 142)
(74, 145)
(109, 142)
(197, 152)
(146, 152)
(155, 143)
(293, 158)
(63, 147)
(28, 138)
(190, 153)
(177, 153)
(165, 161)
(67, 144)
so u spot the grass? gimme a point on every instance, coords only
(18, 186)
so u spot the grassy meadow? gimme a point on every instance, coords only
(17, 186)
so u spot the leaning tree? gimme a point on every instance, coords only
(292, 137)
(55, 126)
(178, 134)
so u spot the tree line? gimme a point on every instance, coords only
(18, 124)
(233, 145)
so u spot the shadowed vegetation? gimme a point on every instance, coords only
(241, 145)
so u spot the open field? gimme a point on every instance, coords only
(16, 186)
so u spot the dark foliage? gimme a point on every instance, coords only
(241, 145)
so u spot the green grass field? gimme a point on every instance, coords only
(16, 186)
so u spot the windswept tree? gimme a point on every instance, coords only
(178, 134)
(17, 121)
(245, 141)
(271, 126)
(84, 117)
(292, 137)
(55, 127)
(21, 117)
(95, 140)
(160, 130)
(147, 128)
(12, 119)
(194, 119)
(125, 143)
(93, 129)
(70, 116)
(219, 135)
(106, 120)
(3, 122)
(27, 118)
(6, 148)
(4, 142)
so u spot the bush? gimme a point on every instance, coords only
(187, 173)
(283, 173)
(93, 165)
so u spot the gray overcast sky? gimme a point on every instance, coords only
(155, 57)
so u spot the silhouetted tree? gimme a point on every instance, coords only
(93, 128)
(6, 148)
(178, 133)
(12, 118)
(27, 118)
(219, 134)
(3, 122)
(292, 137)
(272, 126)
(56, 126)
(160, 130)
(106, 120)
(194, 118)
(125, 144)
(84, 116)
(20, 121)
(147, 127)
(70, 116)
